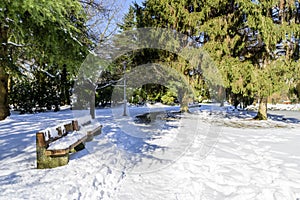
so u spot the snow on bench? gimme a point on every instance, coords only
(54, 144)
(67, 141)
(54, 132)
(90, 126)
(86, 120)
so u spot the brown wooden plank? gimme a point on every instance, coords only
(56, 152)
(40, 139)
(75, 125)
(92, 132)
(69, 127)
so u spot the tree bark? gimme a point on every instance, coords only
(262, 109)
(4, 109)
(221, 94)
(281, 10)
(92, 105)
(184, 102)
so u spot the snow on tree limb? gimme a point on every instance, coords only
(15, 44)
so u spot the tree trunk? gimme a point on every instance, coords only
(92, 105)
(184, 102)
(281, 10)
(222, 103)
(221, 96)
(4, 109)
(262, 109)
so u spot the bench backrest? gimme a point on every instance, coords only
(84, 120)
(45, 137)
(54, 132)
(51, 134)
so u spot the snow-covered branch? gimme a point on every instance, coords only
(47, 73)
(13, 44)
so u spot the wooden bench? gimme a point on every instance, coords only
(54, 144)
(152, 116)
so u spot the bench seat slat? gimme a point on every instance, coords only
(57, 152)
(67, 141)
(78, 142)
(94, 130)
(92, 127)
(85, 120)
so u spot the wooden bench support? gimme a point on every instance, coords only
(46, 161)
(92, 133)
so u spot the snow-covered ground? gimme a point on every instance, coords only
(276, 107)
(211, 153)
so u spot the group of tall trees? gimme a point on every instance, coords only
(255, 44)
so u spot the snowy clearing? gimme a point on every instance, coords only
(215, 153)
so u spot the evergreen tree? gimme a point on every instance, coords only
(254, 43)
(42, 32)
(129, 21)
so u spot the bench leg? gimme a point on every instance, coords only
(44, 161)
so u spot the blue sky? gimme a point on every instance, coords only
(123, 7)
(127, 3)
(124, 4)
